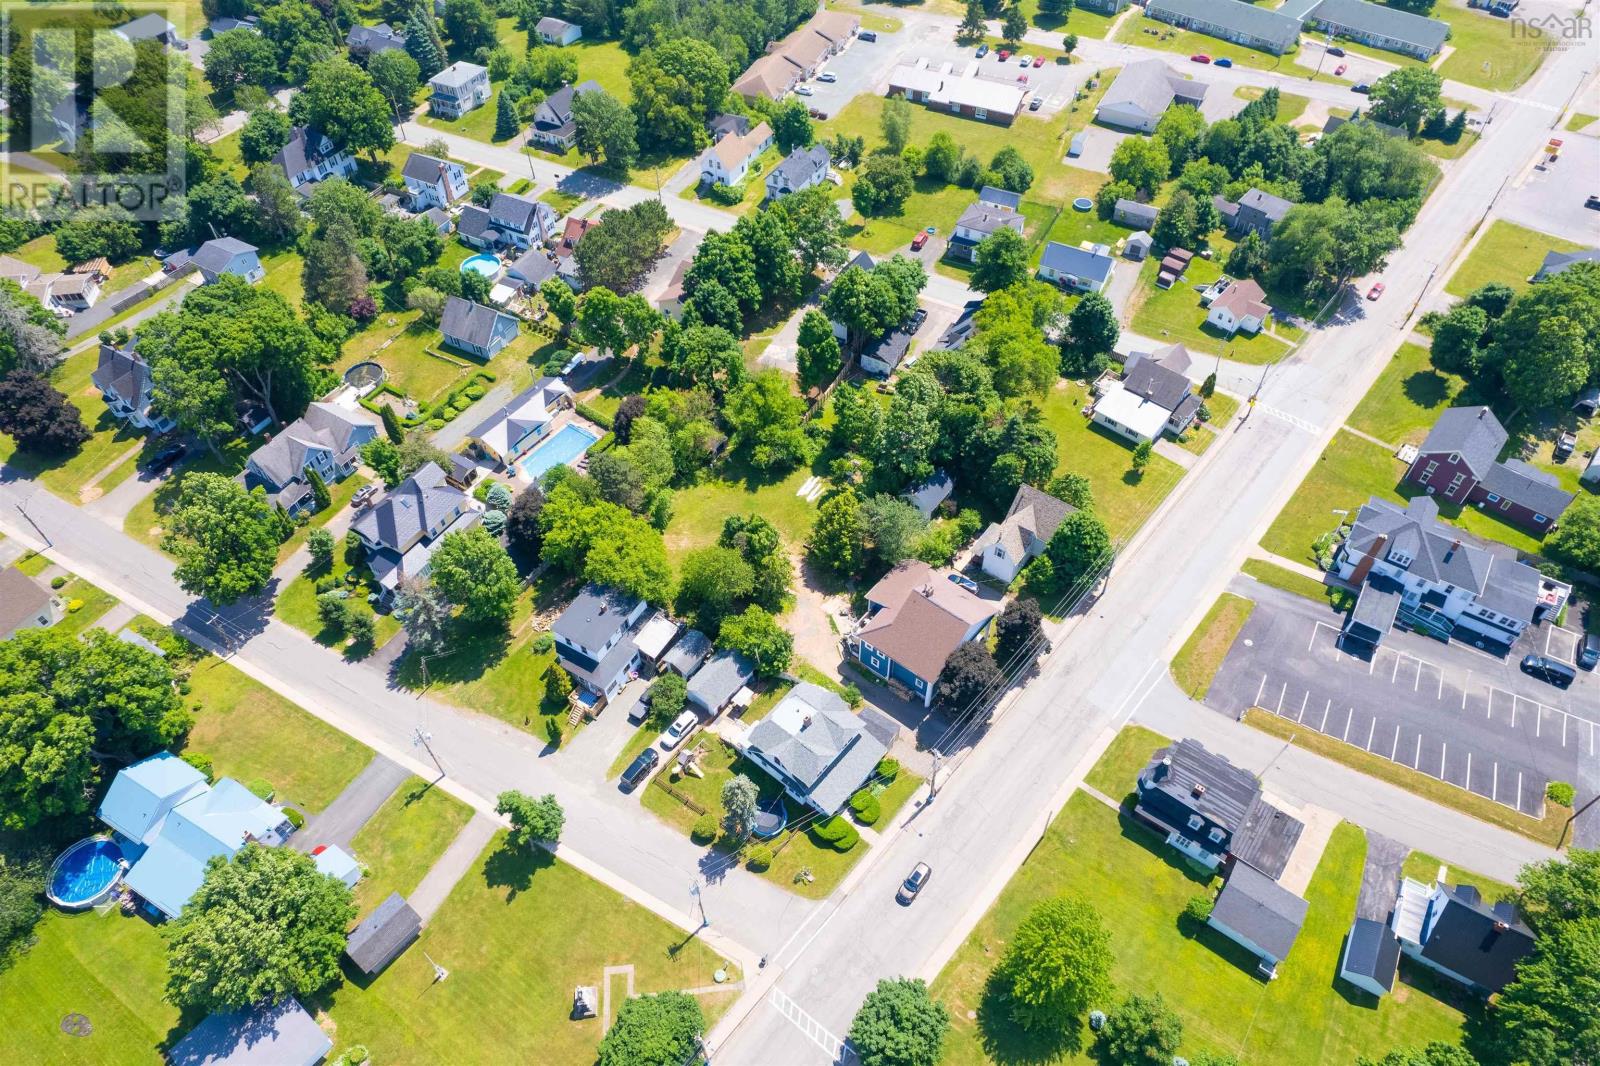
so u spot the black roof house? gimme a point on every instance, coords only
(1212, 810)
(1473, 941)
(1371, 956)
(385, 933)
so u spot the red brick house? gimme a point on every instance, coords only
(1460, 462)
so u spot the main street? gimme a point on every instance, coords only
(1111, 666)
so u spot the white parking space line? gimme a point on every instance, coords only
(1519, 790)
(1416, 761)
(1444, 747)
(1371, 732)
(1469, 771)
(1395, 747)
(1494, 789)
(1468, 685)
(1350, 713)
(1260, 689)
(1281, 693)
(1301, 717)
(1323, 728)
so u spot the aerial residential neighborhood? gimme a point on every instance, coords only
(915, 534)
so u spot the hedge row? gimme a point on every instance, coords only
(442, 410)
(598, 417)
(837, 832)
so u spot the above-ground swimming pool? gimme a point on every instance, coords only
(85, 873)
(565, 446)
(483, 263)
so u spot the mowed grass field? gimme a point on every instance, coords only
(1507, 253)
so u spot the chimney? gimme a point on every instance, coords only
(1455, 546)
(1364, 567)
(1163, 768)
(1199, 790)
(805, 723)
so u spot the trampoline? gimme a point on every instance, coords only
(770, 822)
(365, 376)
(1082, 203)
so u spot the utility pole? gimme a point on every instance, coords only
(1573, 818)
(22, 505)
(419, 736)
(694, 891)
(933, 777)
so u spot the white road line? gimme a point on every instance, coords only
(1313, 639)
(1323, 728)
(1591, 738)
(1350, 713)
(1538, 720)
(1464, 690)
(1260, 689)
(1416, 760)
(1441, 686)
(1303, 701)
(1444, 746)
(1564, 730)
(1372, 664)
(1281, 693)
(1370, 732)
(1519, 790)
(1468, 785)
(808, 1025)
(1494, 787)
(1395, 747)
(1395, 673)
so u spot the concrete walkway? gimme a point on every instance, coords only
(1303, 569)
(354, 807)
(452, 865)
(1168, 449)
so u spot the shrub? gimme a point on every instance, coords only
(838, 833)
(435, 424)
(852, 695)
(759, 858)
(888, 769)
(705, 828)
(865, 806)
(58, 581)
(543, 643)
(296, 819)
(727, 195)
(1198, 909)
(74, 606)
(202, 762)
(1560, 793)
(476, 392)
(850, 839)
(262, 789)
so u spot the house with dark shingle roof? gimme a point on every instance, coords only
(1011, 543)
(1449, 583)
(512, 431)
(1453, 931)
(327, 439)
(383, 935)
(718, 681)
(819, 750)
(687, 653)
(474, 328)
(1371, 957)
(916, 617)
(280, 1034)
(993, 211)
(801, 169)
(1133, 213)
(594, 642)
(367, 41)
(401, 530)
(1380, 26)
(1558, 262)
(1230, 20)
(1259, 915)
(309, 156)
(554, 127)
(125, 383)
(510, 221)
(1074, 268)
(433, 182)
(1256, 211)
(1460, 462)
(25, 604)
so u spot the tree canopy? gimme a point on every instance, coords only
(1057, 965)
(655, 1030)
(224, 536)
(899, 1024)
(471, 570)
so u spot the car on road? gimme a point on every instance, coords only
(1339, 70)
(914, 883)
(1036, 103)
(1199, 57)
(1375, 292)
(1551, 671)
(1336, 52)
(1024, 61)
(639, 769)
(1361, 87)
(681, 727)
(1022, 78)
(919, 240)
(1222, 61)
(983, 50)
(1589, 651)
(168, 455)
(1003, 55)
(804, 90)
(965, 582)
(870, 36)
(1593, 201)
(828, 76)
(1038, 61)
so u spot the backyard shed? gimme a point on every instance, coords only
(385, 933)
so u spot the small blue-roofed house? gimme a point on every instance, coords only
(337, 862)
(141, 795)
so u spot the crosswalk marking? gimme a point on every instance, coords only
(814, 1030)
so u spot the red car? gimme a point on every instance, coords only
(1375, 292)
(919, 240)
(1342, 67)
(1200, 57)
(1038, 61)
(1003, 55)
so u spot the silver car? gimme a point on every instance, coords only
(914, 884)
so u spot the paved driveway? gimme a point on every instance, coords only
(1549, 197)
(1099, 142)
(1447, 710)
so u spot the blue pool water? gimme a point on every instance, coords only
(85, 872)
(483, 263)
(564, 447)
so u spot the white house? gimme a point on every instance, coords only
(1159, 379)
(558, 32)
(124, 381)
(1075, 268)
(1241, 307)
(1141, 94)
(728, 161)
(1010, 544)
(310, 156)
(993, 210)
(457, 89)
(433, 182)
(474, 328)
(512, 431)
(229, 255)
(803, 168)
(25, 604)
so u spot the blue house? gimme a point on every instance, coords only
(916, 617)
(171, 823)
(474, 328)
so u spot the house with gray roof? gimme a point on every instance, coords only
(1459, 462)
(594, 642)
(558, 32)
(800, 169)
(511, 432)
(554, 128)
(817, 748)
(1256, 211)
(532, 269)
(1141, 94)
(1133, 213)
(1335, 121)
(401, 531)
(1259, 915)
(383, 935)
(327, 439)
(718, 681)
(1078, 269)
(457, 89)
(365, 42)
(1230, 20)
(125, 383)
(1021, 536)
(993, 211)
(25, 604)
(229, 255)
(152, 27)
(433, 182)
(1380, 26)
(1278, 30)
(727, 124)
(510, 221)
(1449, 583)
(926, 496)
(687, 653)
(474, 328)
(1371, 957)
(280, 1034)
(1559, 262)
(1455, 932)
(309, 156)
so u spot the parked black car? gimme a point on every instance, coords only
(1550, 671)
(870, 36)
(1363, 88)
(165, 457)
(640, 768)
(1336, 51)
(1589, 651)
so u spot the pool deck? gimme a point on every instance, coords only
(568, 420)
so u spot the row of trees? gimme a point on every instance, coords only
(889, 175)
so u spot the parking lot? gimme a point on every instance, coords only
(1451, 711)
(1550, 197)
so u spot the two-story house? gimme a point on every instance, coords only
(510, 221)
(1022, 535)
(124, 381)
(801, 169)
(365, 42)
(229, 255)
(327, 439)
(1212, 811)
(401, 531)
(1153, 397)
(554, 128)
(993, 210)
(309, 156)
(433, 182)
(593, 641)
(1078, 269)
(457, 89)
(728, 162)
(817, 748)
(1437, 579)
(474, 328)
(1240, 308)
(511, 432)
(1460, 462)
(1454, 932)
(1256, 212)
(916, 617)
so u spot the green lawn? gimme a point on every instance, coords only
(73, 477)
(1115, 773)
(1140, 887)
(1408, 396)
(110, 968)
(699, 511)
(1290, 105)
(1149, 33)
(143, 520)
(403, 346)
(250, 731)
(283, 274)
(340, 494)
(1423, 867)
(1279, 577)
(1487, 52)
(404, 839)
(1175, 314)
(755, 185)
(1507, 253)
(517, 934)
(477, 124)
(95, 601)
(1197, 662)
(1122, 499)
(1079, 20)
(297, 605)
(1346, 475)
(1577, 121)
(895, 795)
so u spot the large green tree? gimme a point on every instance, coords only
(766, 418)
(678, 86)
(1057, 965)
(619, 252)
(1406, 96)
(605, 130)
(1079, 547)
(1002, 261)
(224, 536)
(38, 417)
(340, 99)
(839, 535)
(533, 821)
(655, 1030)
(755, 634)
(899, 1024)
(263, 925)
(472, 571)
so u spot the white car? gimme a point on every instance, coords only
(1024, 61)
(681, 727)
(828, 76)
(803, 90)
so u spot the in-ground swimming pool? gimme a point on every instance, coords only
(571, 442)
(85, 873)
(483, 263)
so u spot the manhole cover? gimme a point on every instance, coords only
(77, 1025)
